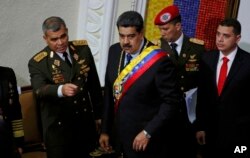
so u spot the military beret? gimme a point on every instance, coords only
(166, 15)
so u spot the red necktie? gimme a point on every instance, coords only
(223, 74)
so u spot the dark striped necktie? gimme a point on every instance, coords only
(173, 46)
(65, 54)
(128, 58)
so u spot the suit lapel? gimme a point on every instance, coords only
(235, 68)
(123, 54)
(214, 69)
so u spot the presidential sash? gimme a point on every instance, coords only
(134, 70)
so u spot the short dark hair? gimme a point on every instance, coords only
(231, 22)
(53, 23)
(130, 19)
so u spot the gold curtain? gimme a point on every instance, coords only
(153, 7)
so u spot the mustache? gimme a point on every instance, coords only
(126, 46)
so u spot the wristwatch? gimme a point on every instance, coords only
(146, 134)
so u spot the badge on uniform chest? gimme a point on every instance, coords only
(192, 64)
(57, 75)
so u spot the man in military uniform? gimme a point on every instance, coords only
(185, 51)
(65, 81)
(11, 125)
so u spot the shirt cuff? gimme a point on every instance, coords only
(59, 91)
(146, 134)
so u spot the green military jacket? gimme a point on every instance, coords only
(48, 71)
(188, 62)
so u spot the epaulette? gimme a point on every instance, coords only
(80, 42)
(40, 56)
(156, 42)
(197, 41)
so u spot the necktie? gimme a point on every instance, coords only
(67, 59)
(223, 74)
(173, 46)
(128, 57)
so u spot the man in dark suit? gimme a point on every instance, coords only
(141, 95)
(65, 81)
(11, 124)
(186, 52)
(223, 109)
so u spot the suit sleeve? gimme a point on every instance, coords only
(202, 110)
(108, 111)
(94, 88)
(165, 81)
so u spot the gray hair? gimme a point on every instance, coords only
(53, 23)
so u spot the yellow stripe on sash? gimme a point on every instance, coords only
(117, 87)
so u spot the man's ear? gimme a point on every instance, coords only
(238, 38)
(178, 26)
